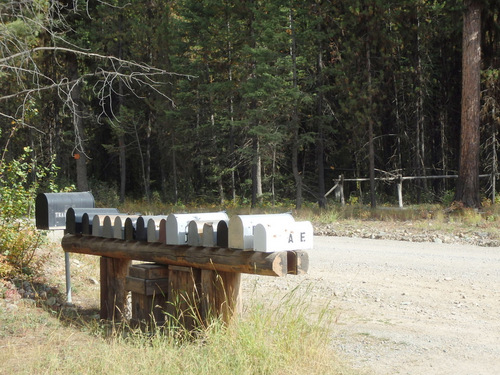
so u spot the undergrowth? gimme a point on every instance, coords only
(282, 339)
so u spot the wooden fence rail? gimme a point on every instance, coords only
(339, 183)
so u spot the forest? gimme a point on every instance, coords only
(246, 101)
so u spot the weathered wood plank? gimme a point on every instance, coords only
(213, 258)
(220, 295)
(113, 293)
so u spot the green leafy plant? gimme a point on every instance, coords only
(19, 239)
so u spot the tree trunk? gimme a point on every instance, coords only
(295, 119)
(320, 146)
(174, 172)
(82, 183)
(256, 172)
(468, 175)
(123, 166)
(371, 148)
(420, 120)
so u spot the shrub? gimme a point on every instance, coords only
(18, 236)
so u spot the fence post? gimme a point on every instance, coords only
(400, 191)
(341, 187)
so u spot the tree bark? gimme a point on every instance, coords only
(371, 148)
(295, 119)
(320, 145)
(468, 175)
(82, 183)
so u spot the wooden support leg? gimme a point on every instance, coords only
(113, 292)
(183, 296)
(221, 295)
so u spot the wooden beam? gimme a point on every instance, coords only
(297, 262)
(210, 258)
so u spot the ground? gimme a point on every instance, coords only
(404, 307)
(405, 297)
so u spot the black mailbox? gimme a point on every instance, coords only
(51, 208)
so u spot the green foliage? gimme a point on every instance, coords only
(105, 194)
(19, 185)
(302, 78)
(448, 198)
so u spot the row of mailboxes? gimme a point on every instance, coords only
(267, 233)
(76, 213)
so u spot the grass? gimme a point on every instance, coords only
(279, 340)
(291, 335)
(446, 218)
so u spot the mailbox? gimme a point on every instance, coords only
(279, 236)
(88, 217)
(74, 217)
(141, 228)
(195, 232)
(177, 225)
(153, 228)
(241, 228)
(51, 208)
(222, 233)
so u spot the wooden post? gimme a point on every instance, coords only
(183, 306)
(400, 191)
(113, 293)
(211, 258)
(341, 187)
(221, 295)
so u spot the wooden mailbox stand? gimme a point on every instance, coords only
(209, 275)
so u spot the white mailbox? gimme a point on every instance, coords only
(107, 227)
(241, 228)
(283, 236)
(153, 228)
(195, 232)
(177, 225)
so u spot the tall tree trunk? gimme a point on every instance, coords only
(295, 118)
(468, 175)
(147, 161)
(123, 166)
(256, 172)
(82, 183)
(420, 120)
(256, 160)
(174, 172)
(320, 146)
(121, 135)
(371, 148)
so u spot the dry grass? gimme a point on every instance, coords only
(278, 339)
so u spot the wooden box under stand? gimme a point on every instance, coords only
(149, 285)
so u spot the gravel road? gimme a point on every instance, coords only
(404, 307)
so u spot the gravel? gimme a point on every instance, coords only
(404, 307)
(409, 232)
